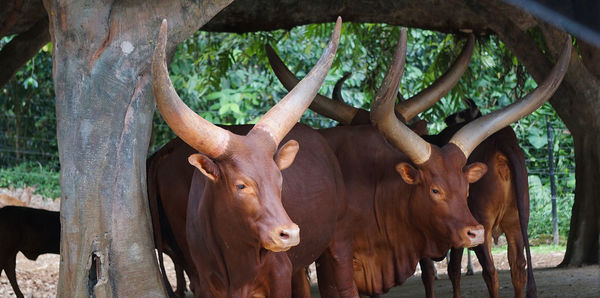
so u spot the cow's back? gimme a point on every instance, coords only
(31, 231)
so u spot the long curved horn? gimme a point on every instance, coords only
(324, 106)
(469, 137)
(189, 126)
(428, 97)
(337, 89)
(283, 116)
(384, 118)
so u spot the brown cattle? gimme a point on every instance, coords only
(499, 201)
(390, 184)
(237, 231)
(32, 232)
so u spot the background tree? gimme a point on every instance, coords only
(104, 106)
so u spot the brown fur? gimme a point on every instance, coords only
(389, 239)
(494, 202)
(228, 259)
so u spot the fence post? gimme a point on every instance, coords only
(552, 183)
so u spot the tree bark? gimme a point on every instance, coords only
(104, 106)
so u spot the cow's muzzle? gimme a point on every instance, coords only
(283, 238)
(473, 235)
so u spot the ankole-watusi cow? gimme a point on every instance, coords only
(407, 197)
(499, 201)
(32, 232)
(255, 215)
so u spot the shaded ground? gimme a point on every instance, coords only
(551, 282)
(39, 278)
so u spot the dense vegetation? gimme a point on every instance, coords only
(226, 78)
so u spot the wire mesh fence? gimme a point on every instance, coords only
(30, 154)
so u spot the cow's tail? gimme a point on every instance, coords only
(516, 158)
(152, 185)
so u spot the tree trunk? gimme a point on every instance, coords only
(583, 244)
(104, 107)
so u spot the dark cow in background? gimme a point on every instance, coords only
(389, 239)
(237, 231)
(499, 201)
(469, 114)
(31, 231)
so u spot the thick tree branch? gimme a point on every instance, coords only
(10, 20)
(18, 16)
(264, 15)
(21, 48)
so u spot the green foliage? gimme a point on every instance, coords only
(27, 117)
(226, 78)
(32, 174)
(535, 248)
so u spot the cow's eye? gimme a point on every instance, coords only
(435, 191)
(240, 186)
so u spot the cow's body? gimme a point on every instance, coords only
(494, 202)
(246, 184)
(388, 238)
(30, 231)
(312, 196)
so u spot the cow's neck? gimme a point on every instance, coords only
(229, 258)
(391, 245)
(402, 240)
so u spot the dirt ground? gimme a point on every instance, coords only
(39, 278)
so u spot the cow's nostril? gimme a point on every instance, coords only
(284, 235)
(471, 234)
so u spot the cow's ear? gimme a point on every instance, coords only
(409, 174)
(475, 171)
(286, 154)
(205, 165)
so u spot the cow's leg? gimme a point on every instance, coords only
(516, 257)
(300, 284)
(280, 276)
(340, 252)
(326, 277)
(427, 276)
(9, 268)
(181, 284)
(469, 263)
(490, 276)
(454, 269)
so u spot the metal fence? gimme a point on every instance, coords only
(549, 163)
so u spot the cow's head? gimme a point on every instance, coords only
(243, 173)
(440, 175)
